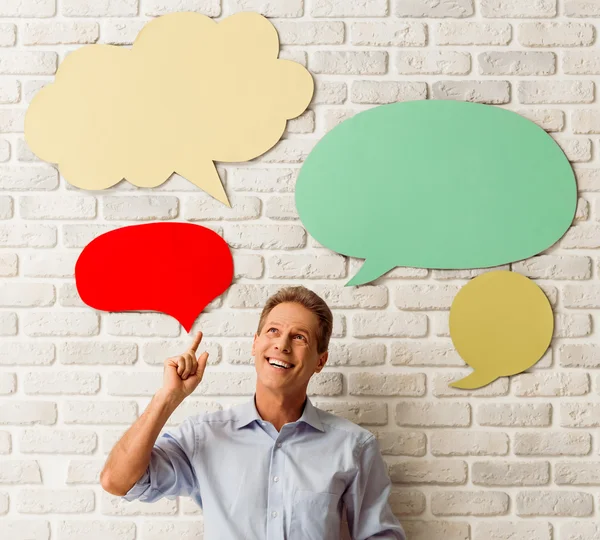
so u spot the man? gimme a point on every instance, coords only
(274, 468)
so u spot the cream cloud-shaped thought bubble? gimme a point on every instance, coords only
(189, 92)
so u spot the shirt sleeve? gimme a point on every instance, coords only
(170, 472)
(366, 498)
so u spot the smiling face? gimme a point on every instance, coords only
(288, 338)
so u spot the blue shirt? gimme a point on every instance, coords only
(255, 483)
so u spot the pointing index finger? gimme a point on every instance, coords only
(196, 342)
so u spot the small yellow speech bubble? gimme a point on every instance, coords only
(188, 92)
(501, 323)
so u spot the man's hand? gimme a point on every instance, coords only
(184, 372)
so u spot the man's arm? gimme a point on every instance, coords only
(136, 456)
(366, 498)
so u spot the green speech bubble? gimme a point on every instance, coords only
(436, 184)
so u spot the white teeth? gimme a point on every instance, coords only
(277, 363)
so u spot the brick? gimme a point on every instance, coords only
(20, 472)
(6, 207)
(57, 207)
(509, 530)
(491, 92)
(581, 8)
(26, 294)
(580, 415)
(153, 530)
(60, 501)
(306, 266)
(567, 325)
(220, 324)
(61, 32)
(585, 121)
(54, 264)
(8, 383)
(577, 473)
(78, 236)
(68, 296)
(26, 354)
(141, 324)
(548, 119)
(281, 207)
(305, 123)
(387, 91)
(390, 325)
(61, 382)
(431, 353)
(403, 443)
(84, 471)
(425, 297)
(467, 273)
(329, 92)
(263, 180)
(581, 296)
(514, 415)
(288, 151)
(555, 92)
(5, 150)
(282, 8)
(8, 34)
(426, 530)
(22, 529)
(263, 236)
(556, 267)
(341, 8)
(139, 207)
(96, 529)
(551, 384)
(472, 33)
(349, 62)
(580, 355)
(555, 34)
(99, 412)
(27, 235)
(121, 31)
(436, 62)
(576, 149)
(10, 91)
(156, 352)
(581, 62)
(406, 503)
(424, 471)
(22, 413)
(374, 384)
(428, 414)
(433, 8)
(468, 443)
(28, 63)
(366, 413)
(517, 9)
(11, 120)
(61, 324)
(18, 8)
(364, 297)
(28, 178)
(510, 473)
(441, 386)
(469, 503)
(9, 264)
(57, 441)
(389, 33)
(105, 8)
(334, 117)
(5, 447)
(554, 503)
(584, 236)
(310, 33)
(210, 8)
(517, 63)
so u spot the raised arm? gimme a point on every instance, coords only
(129, 461)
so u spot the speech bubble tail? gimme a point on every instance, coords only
(204, 174)
(474, 380)
(369, 271)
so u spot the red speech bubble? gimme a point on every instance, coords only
(174, 268)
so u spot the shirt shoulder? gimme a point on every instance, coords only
(357, 434)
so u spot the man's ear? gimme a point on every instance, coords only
(253, 343)
(322, 361)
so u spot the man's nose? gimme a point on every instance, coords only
(283, 344)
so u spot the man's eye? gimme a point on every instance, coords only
(300, 336)
(272, 329)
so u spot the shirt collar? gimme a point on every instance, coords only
(247, 413)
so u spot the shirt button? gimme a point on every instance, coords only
(278, 445)
(273, 514)
(276, 479)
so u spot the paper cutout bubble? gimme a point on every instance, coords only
(174, 268)
(501, 324)
(189, 92)
(436, 184)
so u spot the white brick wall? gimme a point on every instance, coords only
(518, 459)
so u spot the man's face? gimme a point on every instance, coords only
(288, 337)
